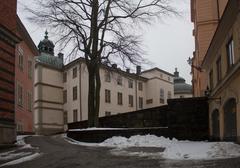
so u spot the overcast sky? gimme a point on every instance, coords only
(168, 43)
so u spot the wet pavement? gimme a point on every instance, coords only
(57, 153)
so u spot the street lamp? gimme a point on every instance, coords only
(190, 62)
(207, 94)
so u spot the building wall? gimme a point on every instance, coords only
(228, 87)
(8, 39)
(24, 114)
(48, 100)
(205, 16)
(81, 81)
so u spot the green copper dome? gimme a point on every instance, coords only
(180, 85)
(46, 50)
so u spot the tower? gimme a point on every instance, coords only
(48, 90)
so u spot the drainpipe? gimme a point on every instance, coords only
(136, 93)
(218, 10)
(80, 90)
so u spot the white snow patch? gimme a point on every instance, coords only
(23, 159)
(174, 149)
(96, 129)
(12, 155)
(74, 142)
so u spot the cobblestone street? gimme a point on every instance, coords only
(57, 153)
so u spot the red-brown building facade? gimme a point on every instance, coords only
(25, 52)
(8, 41)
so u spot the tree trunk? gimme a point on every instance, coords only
(97, 100)
(91, 96)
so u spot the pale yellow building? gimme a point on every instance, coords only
(222, 64)
(61, 92)
(121, 91)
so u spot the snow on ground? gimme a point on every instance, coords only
(174, 149)
(18, 155)
(23, 159)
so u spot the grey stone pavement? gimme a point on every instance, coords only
(57, 153)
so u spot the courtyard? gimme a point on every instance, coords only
(57, 152)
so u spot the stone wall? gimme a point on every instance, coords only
(181, 118)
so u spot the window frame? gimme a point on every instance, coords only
(230, 53)
(75, 97)
(120, 98)
(74, 72)
(107, 96)
(162, 96)
(130, 100)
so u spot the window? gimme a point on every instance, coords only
(230, 52)
(64, 76)
(162, 96)
(140, 102)
(130, 100)
(20, 58)
(140, 86)
(120, 98)
(75, 115)
(211, 79)
(65, 96)
(75, 93)
(119, 80)
(107, 76)
(107, 96)
(169, 94)
(169, 79)
(219, 69)
(65, 117)
(19, 95)
(130, 83)
(149, 101)
(181, 96)
(30, 70)
(107, 113)
(30, 102)
(75, 72)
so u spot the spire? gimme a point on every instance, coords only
(46, 34)
(176, 73)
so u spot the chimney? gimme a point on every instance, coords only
(128, 70)
(114, 66)
(60, 56)
(138, 70)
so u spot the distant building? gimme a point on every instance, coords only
(222, 64)
(24, 61)
(8, 41)
(205, 14)
(181, 88)
(62, 91)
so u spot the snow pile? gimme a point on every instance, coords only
(175, 149)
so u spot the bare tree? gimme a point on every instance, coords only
(102, 30)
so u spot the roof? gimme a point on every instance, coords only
(182, 88)
(117, 70)
(226, 22)
(26, 37)
(157, 69)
